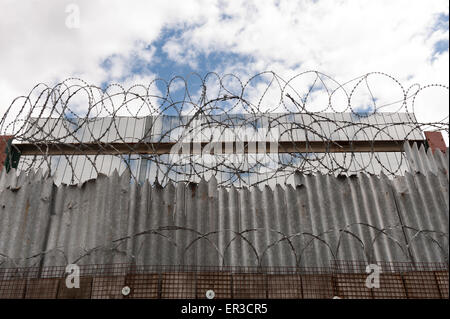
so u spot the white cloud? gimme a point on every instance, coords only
(344, 39)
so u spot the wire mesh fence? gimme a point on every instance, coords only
(342, 279)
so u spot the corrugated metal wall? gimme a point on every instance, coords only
(320, 218)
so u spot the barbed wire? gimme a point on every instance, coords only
(143, 128)
(256, 254)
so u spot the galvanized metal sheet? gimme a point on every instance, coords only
(314, 220)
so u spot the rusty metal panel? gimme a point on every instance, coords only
(249, 286)
(12, 289)
(421, 285)
(343, 279)
(42, 288)
(143, 286)
(391, 287)
(84, 292)
(352, 286)
(284, 286)
(317, 286)
(179, 285)
(219, 282)
(107, 287)
(442, 280)
(436, 141)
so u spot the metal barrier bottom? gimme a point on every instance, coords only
(342, 279)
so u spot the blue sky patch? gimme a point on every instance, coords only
(440, 46)
(166, 68)
(441, 22)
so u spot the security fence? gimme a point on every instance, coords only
(342, 279)
(244, 133)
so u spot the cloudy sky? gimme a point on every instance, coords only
(133, 42)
